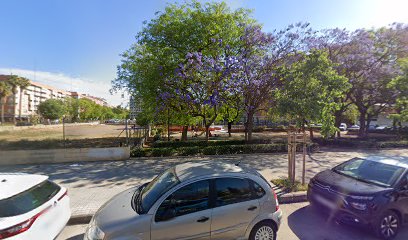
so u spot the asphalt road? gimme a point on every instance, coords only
(299, 222)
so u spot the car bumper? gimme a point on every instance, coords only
(338, 211)
(278, 217)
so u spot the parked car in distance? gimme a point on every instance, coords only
(31, 207)
(382, 127)
(354, 128)
(192, 200)
(371, 192)
(343, 127)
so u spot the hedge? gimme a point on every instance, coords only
(215, 150)
(177, 144)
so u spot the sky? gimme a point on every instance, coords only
(76, 44)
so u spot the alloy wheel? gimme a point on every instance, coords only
(264, 233)
(389, 226)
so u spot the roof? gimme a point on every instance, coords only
(12, 184)
(208, 168)
(399, 161)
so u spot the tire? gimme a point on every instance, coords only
(388, 225)
(263, 231)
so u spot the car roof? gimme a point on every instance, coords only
(12, 184)
(191, 170)
(395, 160)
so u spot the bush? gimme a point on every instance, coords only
(163, 152)
(259, 129)
(178, 144)
(288, 186)
(393, 144)
(212, 150)
(188, 151)
(156, 137)
(138, 152)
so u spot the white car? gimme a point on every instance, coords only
(32, 207)
(343, 127)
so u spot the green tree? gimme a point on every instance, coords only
(5, 90)
(148, 68)
(17, 83)
(311, 86)
(400, 86)
(52, 109)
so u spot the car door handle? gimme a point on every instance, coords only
(252, 208)
(203, 219)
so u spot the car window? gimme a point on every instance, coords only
(28, 200)
(231, 190)
(188, 199)
(258, 190)
(370, 171)
(156, 188)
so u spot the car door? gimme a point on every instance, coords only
(235, 208)
(184, 214)
(402, 202)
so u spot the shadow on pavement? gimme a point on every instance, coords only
(77, 237)
(309, 224)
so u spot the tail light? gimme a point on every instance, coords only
(63, 195)
(21, 227)
(276, 200)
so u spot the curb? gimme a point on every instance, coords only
(294, 197)
(80, 219)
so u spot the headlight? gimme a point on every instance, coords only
(359, 206)
(94, 232)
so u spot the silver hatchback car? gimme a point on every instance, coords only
(201, 200)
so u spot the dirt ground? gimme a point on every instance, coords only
(71, 132)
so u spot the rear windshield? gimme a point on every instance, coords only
(28, 200)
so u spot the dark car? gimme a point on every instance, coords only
(370, 192)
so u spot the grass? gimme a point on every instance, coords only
(288, 186)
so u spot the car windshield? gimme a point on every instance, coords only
(28, 200)
(370, 171)
(156, 188)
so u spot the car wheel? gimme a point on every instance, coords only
(388, 225)
(263, 231)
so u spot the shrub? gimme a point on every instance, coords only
(162, 152)
(178, 144)
(211, 150)
(259, 129)
(138, 152)
(188, 151)
(393, 144)
(288, 186)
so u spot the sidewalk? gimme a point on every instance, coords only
(91, 184)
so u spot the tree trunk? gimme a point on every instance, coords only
(14, 110)
(229, 128)
(249, 126)
(184, 133)
(311, 132)
(337, 122)
(20, 101)
(2, 102)
(207, 132)
(168, 125)
(362, 121)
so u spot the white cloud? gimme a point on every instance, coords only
(64, 82)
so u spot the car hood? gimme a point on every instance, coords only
(117, 211)
(347, 185)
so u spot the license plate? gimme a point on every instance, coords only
(324, 201)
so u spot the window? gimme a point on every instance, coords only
(258, 190)
(156, 188)
(188, 199)
(232, 190)
(28, 200)
(376, 172)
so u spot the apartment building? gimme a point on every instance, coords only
(24, 103)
